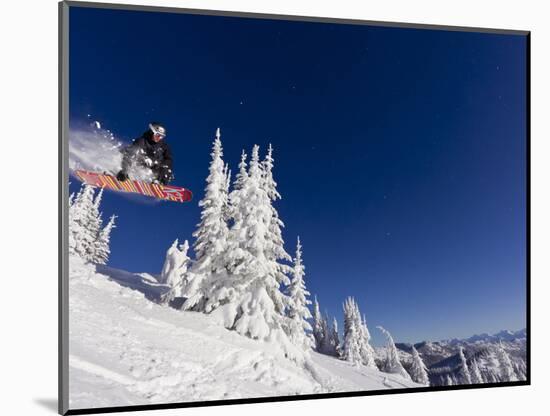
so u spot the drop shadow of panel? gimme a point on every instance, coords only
(49, 404)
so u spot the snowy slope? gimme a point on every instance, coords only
(128, 350)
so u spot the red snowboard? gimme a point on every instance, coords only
(167, 192)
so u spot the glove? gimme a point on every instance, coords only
(122, 176)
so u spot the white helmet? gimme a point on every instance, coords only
(157, 128)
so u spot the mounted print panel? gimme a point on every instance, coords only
(262, 208)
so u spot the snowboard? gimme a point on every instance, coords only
(166, 192)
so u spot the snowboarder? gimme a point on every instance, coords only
(149, 150)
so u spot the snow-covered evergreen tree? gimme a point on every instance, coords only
(275, 252)
(97, 200)
(520, 368)
(491, 375)
(326, 331)
(353, 334)
(79, 235)
(102, 249)
(356, 343)
(506, 369)
(275, 249)
(464, 376)
(246, 295)
(233, 254)
(211, 233)
(477, 378)
(96, 225)
(73, 225)
(318, 325)
(334, 339)
(392, 364)
(419, 372)
(87, 238)
(85, 224)
(298, 310)
(367, 352)
(237, 194)
(174, 270)
(225, 194)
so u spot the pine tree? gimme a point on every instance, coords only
(225, 194)
(174, 270)
(392, 364)
(367, 352)
(463, 371)
(233, 256)
(96, 224)
(506, 369)
(491, 375)
(477, 378)
(353, 334)
(226, 288)
(236, 195)
(334, 339)
(87, 238)
(84, 224)
(326, 340)
(298, 310)
(520, 368)
(211, 233)
(318, 326)
(356, 343)
(275, 249)
(419, 372)
(78, 219)
(248, 299)
(102, 249)
(97, 200)
(72, 224)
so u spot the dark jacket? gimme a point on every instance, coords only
(145, 152)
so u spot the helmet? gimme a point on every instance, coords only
(157, 128)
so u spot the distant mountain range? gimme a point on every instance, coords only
(487, 351)
(504, 335)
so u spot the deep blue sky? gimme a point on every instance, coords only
(400, 153)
